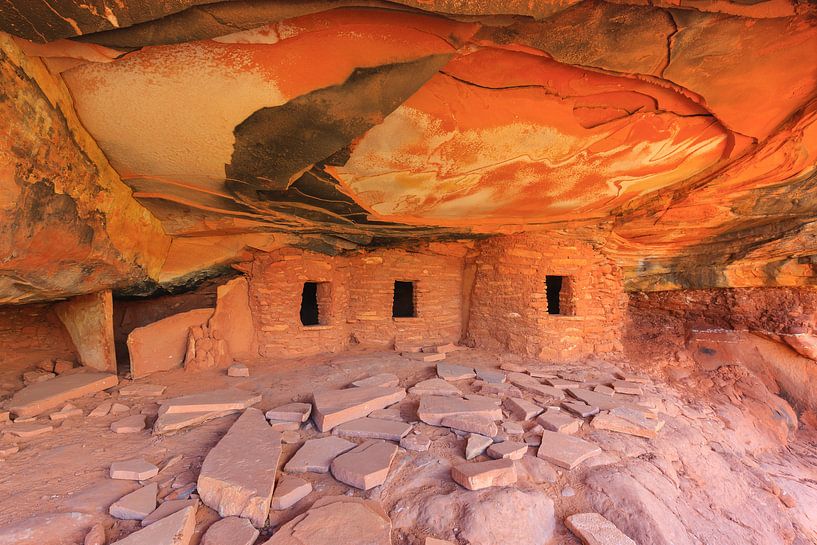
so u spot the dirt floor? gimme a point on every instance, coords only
(729, 467)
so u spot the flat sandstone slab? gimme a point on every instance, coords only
(137, 505)
(334, 407)
(215, 401)
(479, 475)
(230, 531)
(365, 466)
(43, 396)
(384, 380)
(237, 477)
(594, 529)
(566, 451)
(434, 408)
(316, 455)
(373, 428)
(177, 529)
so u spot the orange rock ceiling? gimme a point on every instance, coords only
(680, 137)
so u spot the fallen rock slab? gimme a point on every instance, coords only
(579, 408)
(365, 466)
(43, 396)
(471, 424)
(433, 409)
(450, 371)
(137, 505)
(521, 408)
(416, 443)
(337, 520)
(142, 390)
(476, 445)
(68, 411)
(316, 455)
(373, 428)
(603, 401)
(48, 529)
(136, 469)
(238, 370)
(334, 407)
(627, 387)
(491, 376)
(167, 508)
(177, 529)
(564, 450)
(27, 430)
(291, 412)
(479, 475)
(169, 423)
(435, 386)
(237, 477)
(289, 491)
(215, 401)
(594, 529)
(628, 421)
(130, 424)
(383, 380)
(510, 450)
(230, 531)
(559, 422)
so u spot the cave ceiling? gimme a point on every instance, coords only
(152, 143)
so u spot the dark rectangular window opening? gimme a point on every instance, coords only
(553, 289)
(310, 311)
(403, 305)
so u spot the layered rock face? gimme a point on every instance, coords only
(152, 144)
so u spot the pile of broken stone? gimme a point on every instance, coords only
(356, 433)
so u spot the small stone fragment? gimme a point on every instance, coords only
(564, 450)
(435, 386)
(579, 408)
(627, 387)
(373, 428)
(513, 428)
(118, 408)
(471, 423)
(5, 416)
(316, 455)
(491, 376)
(521, 408)
(24, 431)
(502, 390)
(476, 445)
(289, 491)
(290, 437)
(101, 410)
(602, 389)
(558, 421)
(450, 371)
(96, 535)
(142, 390)
(129, 424)
(35, 377)
(167, 508)
(238, 370)
(594, 529)
(8, 450)
(284, 425)
(511, 450)
(479, 475)
(383, 380)
(63, 366)
(230, 531)
(67, 411)
(136, 505)
(291, 412)
(365, 466)
(136, 469)
(416, 443)
(177, 529)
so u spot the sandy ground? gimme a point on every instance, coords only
(705, 479)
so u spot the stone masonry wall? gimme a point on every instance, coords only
(31, 333)
(509, 309)
(356, 303)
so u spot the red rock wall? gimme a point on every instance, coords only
(509, 308)
(32, 333)
(357, 307)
